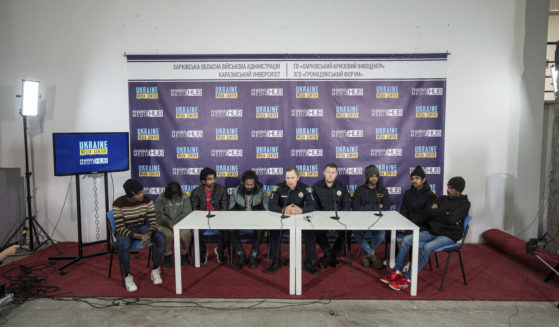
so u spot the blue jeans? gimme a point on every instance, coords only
(377, 239)
(158, 239)
(433, 242)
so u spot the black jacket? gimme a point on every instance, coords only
(367, 199)
(282, 196)
(259, 198)
(416, 203)
(448, 218)
(324, 196)
(220, 198)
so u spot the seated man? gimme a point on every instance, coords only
(330, 195)
(248, 196)
(213, 195)
(135, 219)
(371, 196)
(446, 223)
(292, 198)
(171, 207)
(418, 199)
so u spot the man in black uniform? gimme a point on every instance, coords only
(330, 195)
(209, 193)
(371, 196)
(292, 198)
(418, 199)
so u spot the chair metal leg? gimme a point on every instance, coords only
(430, 265)
(462, 267)
(437, 260)
(111, 262)
(445, 269)
(149, 256)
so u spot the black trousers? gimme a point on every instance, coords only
(338, 248)
(308, 238)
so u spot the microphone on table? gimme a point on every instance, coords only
(209, 203)
(283, 215)
(379, 214)
(338, 193)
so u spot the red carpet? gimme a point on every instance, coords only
(491, 276)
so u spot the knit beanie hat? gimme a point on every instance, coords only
(418, 171)
(370, 171)
(132, 187)
(458, 183)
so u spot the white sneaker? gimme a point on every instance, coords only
(129, 283)
(406, 267)
(156, 277)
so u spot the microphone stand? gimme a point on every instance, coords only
(209, 204)
(283, 215)
(379, 214)
(336, 217)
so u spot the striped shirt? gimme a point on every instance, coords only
(133, 214)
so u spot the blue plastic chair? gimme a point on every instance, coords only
(135, 245)
(449, 249)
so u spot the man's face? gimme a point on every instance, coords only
(417, 182)
(291, 179)
(138, 197)
(209, 182)
(249, 185)
(330, 174)
(373, 180)
(452, 192)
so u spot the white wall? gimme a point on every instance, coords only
(75, 48)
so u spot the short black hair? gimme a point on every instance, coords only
(205, 173)
(173, 188)
(249, 174)
(331, 165)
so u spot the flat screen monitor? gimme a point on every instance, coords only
(88, 153)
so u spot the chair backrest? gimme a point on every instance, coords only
(111, 220)
(466, 228)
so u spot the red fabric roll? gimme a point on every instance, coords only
(516, 249)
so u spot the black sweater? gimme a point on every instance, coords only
(416, 203)
(448, 218)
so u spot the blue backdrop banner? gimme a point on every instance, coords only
(268, 112)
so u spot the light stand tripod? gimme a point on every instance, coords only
(29, 107)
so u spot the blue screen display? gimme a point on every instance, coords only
(83, 153)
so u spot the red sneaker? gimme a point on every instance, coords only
(400, 284)
(393, 277)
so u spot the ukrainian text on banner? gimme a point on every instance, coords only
(268, 112)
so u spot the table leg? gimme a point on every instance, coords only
(177, 250)
(298, 260)
(392, 249)
(196, 248)
(292, 260)
(414, 258)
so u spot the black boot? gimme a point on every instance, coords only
(252, 263)
(324, 262)
(167, 261)
(310, 268)
(276, 265)
(184, 260)
(242, 261)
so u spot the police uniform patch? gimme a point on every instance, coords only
(380, 195)
(301, 195)
(309, 189)
(275, 188)
(339, 193)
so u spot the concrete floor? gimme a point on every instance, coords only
(98, 312)
(215, 312)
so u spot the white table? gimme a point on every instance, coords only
(225, 220)
(358, 220)
(319, 220)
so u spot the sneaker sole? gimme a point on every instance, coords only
(396, 289)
